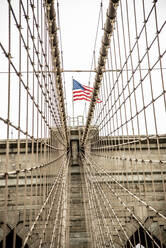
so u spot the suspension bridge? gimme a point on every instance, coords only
(89, 181)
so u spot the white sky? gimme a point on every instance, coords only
(78, 25)
(79, 21)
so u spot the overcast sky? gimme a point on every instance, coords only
(78, 26)
(79, 20)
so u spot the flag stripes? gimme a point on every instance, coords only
(82, 92)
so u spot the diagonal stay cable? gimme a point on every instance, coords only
(130, 193)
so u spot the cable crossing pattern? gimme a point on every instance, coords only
(102, 184)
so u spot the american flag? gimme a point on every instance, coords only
(82, 92)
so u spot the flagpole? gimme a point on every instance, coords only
(72, 101)
(85, 114)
